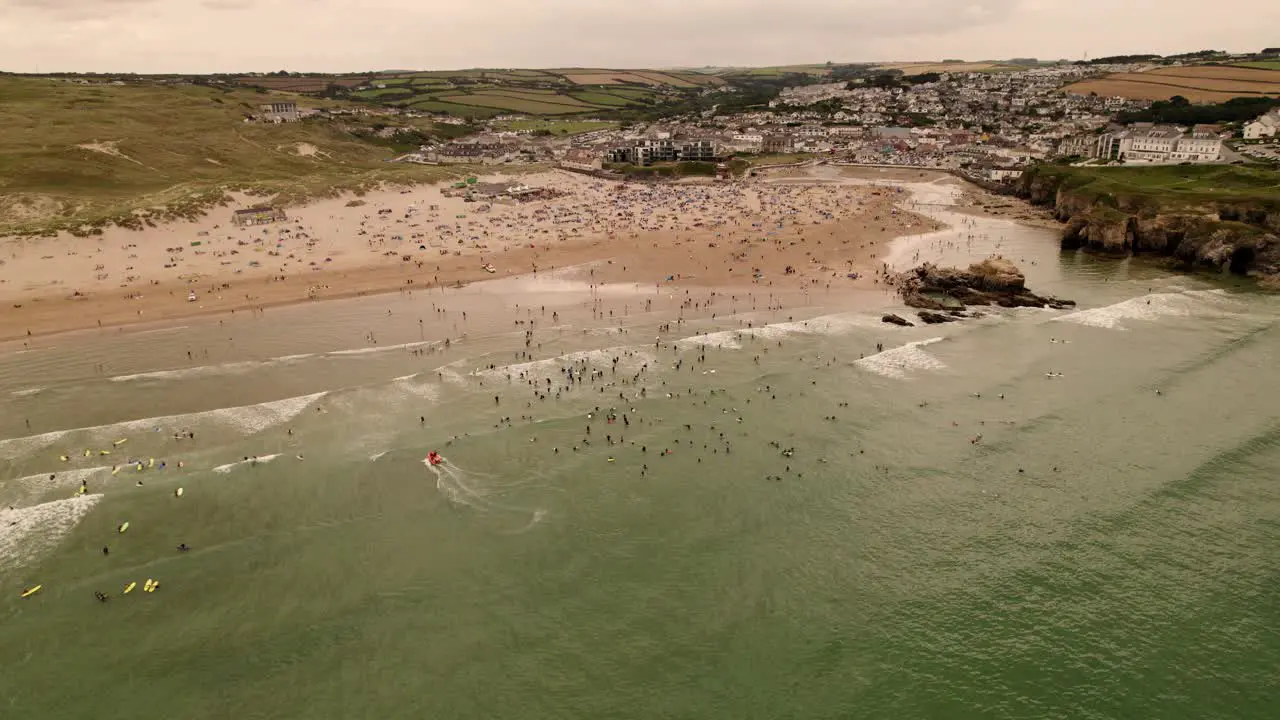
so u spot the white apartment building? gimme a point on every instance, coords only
(1148, 143)
(1265, 126)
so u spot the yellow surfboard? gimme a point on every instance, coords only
(115, 470)
(153, 587)
(123, 527)
(120, 442)
(31, 591)
(129, 588)
(177, 493)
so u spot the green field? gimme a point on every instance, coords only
(607, 99)
(557, 127)
(519, 105)
(76, 155)
(388, 93)
(454, 109)
(1170, 184)
(1264, 64)
(533, 92)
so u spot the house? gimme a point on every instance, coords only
(1003, 174)
(1265, 126)
(259, 215)
(278, 112)
(582, 159)
(777, 143)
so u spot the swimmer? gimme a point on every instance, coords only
(184, 547)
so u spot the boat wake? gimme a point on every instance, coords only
(463, 488)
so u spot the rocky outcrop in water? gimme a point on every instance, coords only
(1241, 236)
(896, 320)
(994, 281)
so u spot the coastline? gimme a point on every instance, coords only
(704, 236)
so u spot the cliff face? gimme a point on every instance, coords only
(1241, 237)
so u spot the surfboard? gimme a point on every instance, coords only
(120, 442)
(129, 588)
(32, 591)
(177, 493)
(123, 527)
(153, 587)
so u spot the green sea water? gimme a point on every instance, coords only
(794, 523)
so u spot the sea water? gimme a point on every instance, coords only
(1066, 514)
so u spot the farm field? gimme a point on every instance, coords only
(1263, 64)
(1201, 83)
(485, 92)
(557, 127)
(918, 68)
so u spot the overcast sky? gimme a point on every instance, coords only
(353, 35)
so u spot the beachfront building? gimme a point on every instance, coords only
(1150, 143)
(260, 215)
(582, 159)
(777, 143)
(280, 112)
(646, 152)
(698, 150)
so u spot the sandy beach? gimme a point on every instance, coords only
(786, 231)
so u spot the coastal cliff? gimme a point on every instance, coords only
(1218, 218)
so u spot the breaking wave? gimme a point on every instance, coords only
(258, 460)
(1148, 308)
(26, 534)
(897, 362)
(246, 419)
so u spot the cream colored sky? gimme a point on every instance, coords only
(331, 35)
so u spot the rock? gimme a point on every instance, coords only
(897, 320)
(933, 318)
(994, 281)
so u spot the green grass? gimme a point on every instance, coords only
(454, 109)
(515, 104)
(384, 93)
(1264, 64)
(1171, 184)
(606, 99)
(557, 127)
(180, 148)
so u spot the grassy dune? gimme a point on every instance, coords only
(75, 156)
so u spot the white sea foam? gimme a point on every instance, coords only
(246, 419)
(898, 362)
(27, 392)
(32, 486)
(822, 325)
(629, 359)
(427, 391)
(1149, 308)
(241, 366)
(374, 457)
(224, 469)
(28, 533)
(383, 348)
